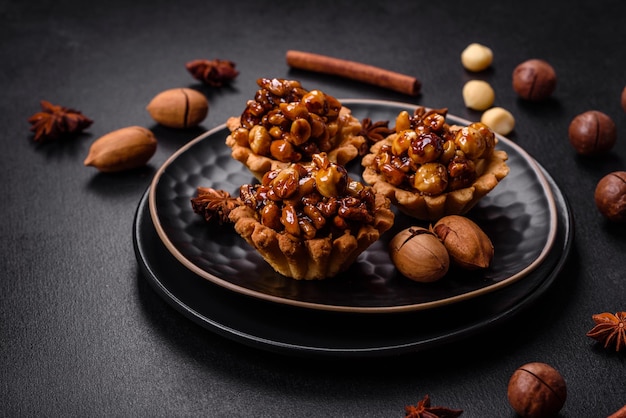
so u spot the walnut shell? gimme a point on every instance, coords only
(179, 108)
(467, 244)
(419, 255)
(120, 150)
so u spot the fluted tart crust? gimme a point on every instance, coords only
(429, 169)
(310, 220)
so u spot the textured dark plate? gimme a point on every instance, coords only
(519, 216)
(291, 330)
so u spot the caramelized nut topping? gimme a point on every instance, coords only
(310, 200)
(428, 156)
(289, 123)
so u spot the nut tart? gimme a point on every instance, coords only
(286, 123)
(430, 169)
(310, 220)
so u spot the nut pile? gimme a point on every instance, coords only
(428, 156)
(309, 200)
(287, 122)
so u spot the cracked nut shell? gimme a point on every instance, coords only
(466, 242)
(419, 255)
(120, 150)
(536, 390)
(179, 108)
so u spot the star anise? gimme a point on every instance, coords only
(424, 410)
(375, 131)
(55, 121)
(215, 72)
(610, 329)
(214, 204)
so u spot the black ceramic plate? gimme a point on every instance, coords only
(519, 216)
(296, 331)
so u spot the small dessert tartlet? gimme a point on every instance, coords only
(310, 220)
(286, 123)
(430, 169)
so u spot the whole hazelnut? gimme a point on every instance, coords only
(610, 196)
(419, 255)
(624, 99)
(534, 80)
(592, 133)
(536, 390)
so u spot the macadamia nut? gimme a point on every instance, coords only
(537, 390)
(478, 95)
(476, 57)
(592, 133)
(534, 80)
(610, 196)
(499, 120)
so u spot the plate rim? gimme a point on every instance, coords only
(539, 172)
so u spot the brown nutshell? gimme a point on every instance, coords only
(592, 133)
(123, 149)
(610, 196)
(179, 108)
(624, 99)
(419, 255)
(536, 390)
(467, 244)
(534, 80)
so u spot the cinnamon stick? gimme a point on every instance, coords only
(354, 71)
(619, 414)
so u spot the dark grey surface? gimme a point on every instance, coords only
(83, 334)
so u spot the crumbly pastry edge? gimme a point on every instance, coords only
(314, 259)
